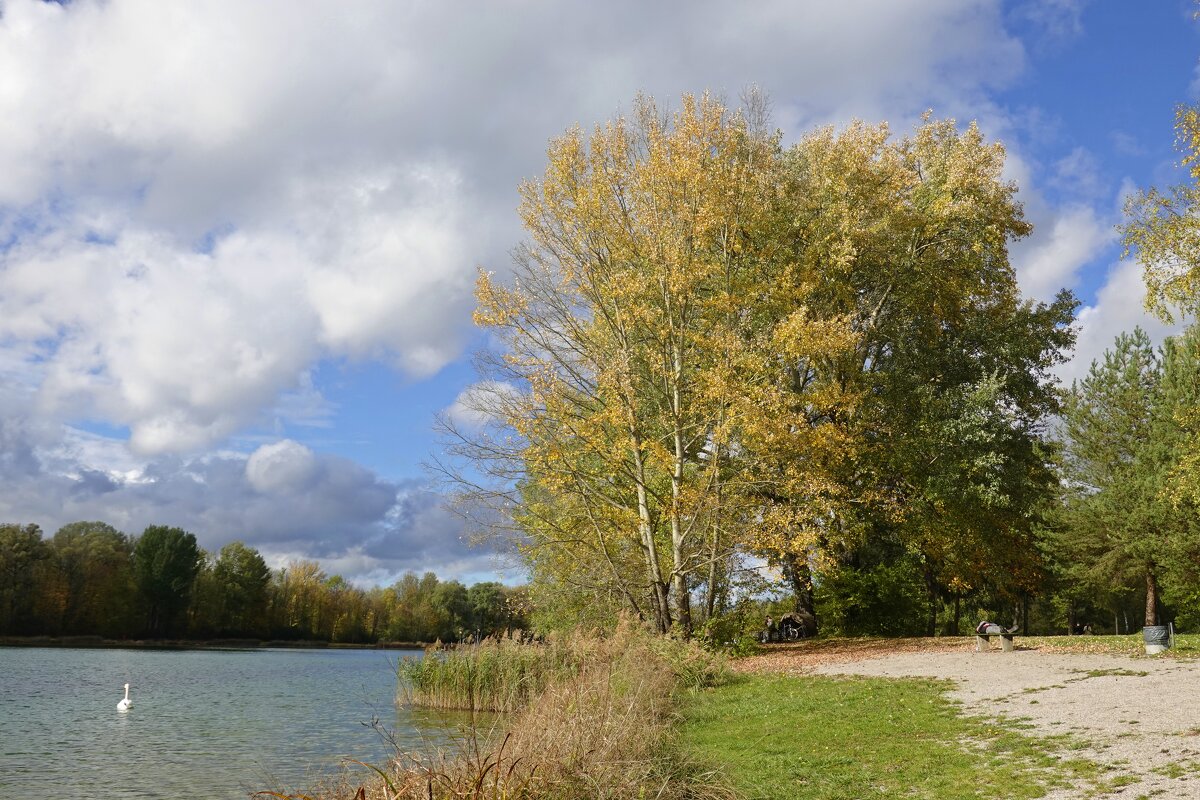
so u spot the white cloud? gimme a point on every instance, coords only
(283, 499)
(282, 466)
(1050, 259)
(1078, 175)
(1057, 20)
(1127, 144)
(205, 200)
(202, 202)
(1119, 307)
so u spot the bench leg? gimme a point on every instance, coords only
(1006, 643)
(981, 643)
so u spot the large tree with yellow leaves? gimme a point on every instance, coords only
(908, 239)
(643, 335)
(711, 344)
(1162, 227)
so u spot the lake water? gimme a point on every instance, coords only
(205, 723)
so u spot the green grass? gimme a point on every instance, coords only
(1107, 673)
(809, 737)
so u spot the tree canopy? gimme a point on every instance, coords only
(713, 346)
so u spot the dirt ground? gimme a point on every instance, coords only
(1139, 716)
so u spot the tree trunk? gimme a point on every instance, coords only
(957, 615)
(1151, 597)
(662, 604)
(798, 573)
(714, 573)
(934, 600)
(662, 607)
(683, 605)
(679, 555)
(710, 600)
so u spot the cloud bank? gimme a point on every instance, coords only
(204, 203)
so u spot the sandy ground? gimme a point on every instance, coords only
(1138, 716)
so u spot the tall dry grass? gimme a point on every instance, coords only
(599, 730)
(494, 675)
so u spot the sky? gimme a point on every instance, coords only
(238, 240)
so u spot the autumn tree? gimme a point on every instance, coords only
(712, 344)
(629, 345)
(936, 436)
(1162, 228)
(296, 599)
(94, 578)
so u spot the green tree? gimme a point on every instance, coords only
(1173, 447)
(96, 580)
(488, 606)
(1117, 462)
(242, 578)
(166, 562)
(452, 610)
(946, 442)
(1162, 228)
(23, 553)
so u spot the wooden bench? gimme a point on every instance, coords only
(982, 641)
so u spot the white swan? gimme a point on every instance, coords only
(125, 704)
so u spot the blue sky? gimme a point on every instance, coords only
(238, 240)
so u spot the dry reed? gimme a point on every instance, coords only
(599, 727)
(494, 675)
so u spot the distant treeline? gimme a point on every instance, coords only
(91, 579)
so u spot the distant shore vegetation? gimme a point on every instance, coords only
(90, 579)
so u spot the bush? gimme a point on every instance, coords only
(887, 599)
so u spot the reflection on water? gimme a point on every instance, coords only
(204, 723)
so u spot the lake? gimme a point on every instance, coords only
(205, 723)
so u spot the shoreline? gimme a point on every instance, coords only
(99, 642)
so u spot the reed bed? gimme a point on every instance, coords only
(494, 675)
(599, 727)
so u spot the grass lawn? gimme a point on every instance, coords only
(1187, 645)
(800, 737)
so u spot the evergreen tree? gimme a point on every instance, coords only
(1122, 443)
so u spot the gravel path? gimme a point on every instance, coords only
(1139, 716)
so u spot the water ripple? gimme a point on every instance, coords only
(213, 724)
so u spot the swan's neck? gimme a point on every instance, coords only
(127, 691)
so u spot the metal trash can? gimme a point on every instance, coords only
(1157, 638)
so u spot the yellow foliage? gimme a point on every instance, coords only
(689, 323)
(1163, 229)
